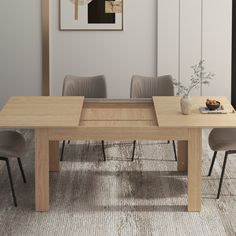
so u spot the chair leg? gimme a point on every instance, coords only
(103, 151)
(168, 142)
(222, 175)
(21, 169)
(134, 145)
(62, 150)
(68, 142)
(212, 163)
(11, 183)
(174, 147)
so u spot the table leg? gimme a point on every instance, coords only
(41, 170)
(182, 158)
(54, 164)
(194, 169)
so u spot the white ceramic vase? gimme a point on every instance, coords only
(186, 105)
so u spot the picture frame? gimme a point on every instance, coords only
(91, 15)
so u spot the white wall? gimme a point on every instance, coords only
(20, 48)
(217, 31)
(118, 55)
(191, 30)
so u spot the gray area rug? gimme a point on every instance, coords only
(118, 197)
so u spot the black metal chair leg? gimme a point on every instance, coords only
(68, 142)
(174, 147)
(168, 142)
(62, 150)
(212, 163)
(103, 151)
(11, 183)
(134, 145)
(21, 169)
(222, 175)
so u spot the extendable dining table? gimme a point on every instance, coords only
(75, 118)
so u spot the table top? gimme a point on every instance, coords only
(71, 112)
(43, 112)
(169, 114)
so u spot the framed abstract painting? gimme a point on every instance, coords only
(91, 14)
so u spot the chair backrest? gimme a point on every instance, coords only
(89, 87)
(10, 139)
(146, 87)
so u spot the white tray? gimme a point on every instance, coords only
(205, 110)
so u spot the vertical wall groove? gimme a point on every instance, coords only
(157, 25)
(233, 55)
(179, 43)
(201, 43)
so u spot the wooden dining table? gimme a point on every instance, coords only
(75, 118)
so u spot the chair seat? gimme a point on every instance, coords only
(222, 139)
(12, 144)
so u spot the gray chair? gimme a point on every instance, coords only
(89, 87)
(146, 87)
(12, 145)
(222, 139)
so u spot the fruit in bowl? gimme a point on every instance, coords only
(212, 104)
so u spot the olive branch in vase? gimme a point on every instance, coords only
(199, 76)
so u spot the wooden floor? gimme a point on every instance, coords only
(119, 197)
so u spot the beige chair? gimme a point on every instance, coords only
(147, 87)
(12, 145)
(89, 87)
(222, 139)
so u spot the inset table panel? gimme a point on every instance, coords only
(119, 113)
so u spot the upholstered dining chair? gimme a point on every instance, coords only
(89, 87)
(12, 145)
(222, 139)
(147, 87)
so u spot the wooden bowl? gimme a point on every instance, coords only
(213, 107)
